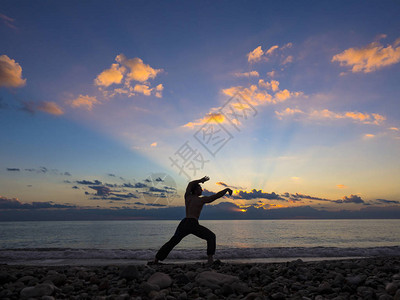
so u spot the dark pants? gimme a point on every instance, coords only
(188, 226)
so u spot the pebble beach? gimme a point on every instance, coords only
(367, 278)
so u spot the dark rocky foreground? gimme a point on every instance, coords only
(371, 278)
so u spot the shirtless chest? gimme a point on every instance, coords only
(194, 205)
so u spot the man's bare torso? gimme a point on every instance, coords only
(194, 204)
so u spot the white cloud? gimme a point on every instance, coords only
(10, 73)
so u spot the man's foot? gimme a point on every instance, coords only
(154, 262)
(210, 260)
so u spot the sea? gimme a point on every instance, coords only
(136, 242)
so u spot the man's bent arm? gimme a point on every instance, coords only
(216, 196)
(192, 183)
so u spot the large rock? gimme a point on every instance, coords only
(39, 290)
(161, 279)
(214, 280)
(130, 272)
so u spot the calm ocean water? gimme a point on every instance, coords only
(235, 239)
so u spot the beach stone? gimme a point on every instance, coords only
(191, 274)
(188, 287)
(161, 279)
(129, 273)
(5, 277)
(182, 296)
(123, 297)
(213, 279)
(47, 298)
(397, 296)
(356, 280)
(39, 290)
(26, 279)
(251, 296)
(182, 279)
(385, 297)
(366, 292)
(324, 288)
(67, 289)
(148, 287)
(212, 297)
(278, 295)
(56, 279)
(227, 289)
(391, 288)
(254, 271)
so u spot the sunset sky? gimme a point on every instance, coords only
(116, 104)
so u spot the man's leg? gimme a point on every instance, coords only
(180, 233)
(206, 234)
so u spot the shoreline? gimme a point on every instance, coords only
(353, 278)
(122, 262)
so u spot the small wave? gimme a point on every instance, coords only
(12, 255)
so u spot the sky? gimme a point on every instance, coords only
(115, 105)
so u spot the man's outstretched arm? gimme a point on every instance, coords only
(192, 183)
(216, 196)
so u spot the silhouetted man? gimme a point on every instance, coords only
(190, 225)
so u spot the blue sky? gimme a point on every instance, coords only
(112, 91)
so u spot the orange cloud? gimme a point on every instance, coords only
(369, 136)
(271, 50)
(369, 58)
(138, 70)
(357, 116)
(273, 85)
(341, 186)
(143, 89)
(287, 60)
(288, 112)
(374, 119)
(153, 144)
(113, 75)
(124, 72)
(255, 55)
(84, 101)
(217, 117)
(10, 73)
(9, 22)
(365, 118)
(258, 94)
(159, 89)
(394, 128)
(50, 108)
(248, 74)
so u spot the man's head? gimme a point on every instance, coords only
(196, 190)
